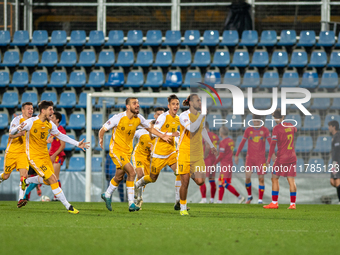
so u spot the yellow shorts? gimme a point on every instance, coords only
(157, 164)
(194, 167)
(15, 161)
(140, 161)
(42, 166)
(120, 159)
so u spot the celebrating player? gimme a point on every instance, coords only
(190, 161)
(124, 126)
(285, 162)
(38, 129)
(333, 127)
(226, 158)
(256, 154)
(209, 159)
(15, 155)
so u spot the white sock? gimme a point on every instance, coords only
(35, 179)
(249, 196)
(110, 190)
(140, 193)
(219, 201)
(1, 177)
(177, 187)
(204, 200)
(211, 200)
(260, 200)
(292, 203)
(60, 195)
(21, 192)
(239, 197)
(140, 182)
(131, 194)
(274, 202)
(183, 207)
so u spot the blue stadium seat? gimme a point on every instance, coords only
(150, 116)
(290, 78)
(109, 102)
(335, 104)
(106, 58)
(212, 77)
(307, 38)
(268, 124)
(49, 58)
(163, 58)
(328, 118)
(30, 58)
(321, 103)
(226, 104)
(69, 147)
(77, 121)
(146, 102)
(10, 99)
(323, 144)
(191, 78)
(287, 38)
(67, 99)
(334, 60)
(154, 79)
(251, 79)
(3, 144)
(161, 102)
(38, 79)
(318, 58)
(11, 58)
(120, 103)
(115, 38)
(202, 58)
(49, 96)
(107, 138)
(300, 165)
(326, 38)
(172, 38)
(260, 58)
(237, 144)
(78, 38)
(268, 38)
(144, 58)
(134, 38)
(19, 79)
(173, 79)
(221, 58)
(312, 123)
(316, 166)
(210, 119)
(4, 78)
(58, 38)
(249, 38)
(229, 38)
(296, 117)
(125, 58)
(3, 120)
(5, 38)
(182, 58)
(279, 58)
(304, 144)
(115, 79)
(97, 121)
(232, 77)
(135, 79)
(310, 79)
(82, 102)
(96, 79)
(30, 96)
(63, 120)
(76, 164)
(40, 38)
(262, 103)
(232, 119)
(20, 38)
(153, 38)
(58, 79)
(299, 58)
(96, 164)
(211, 38)
(68, 58)
(306, 105)
(87, 58)
(240, 58)
(329, 80)
(191, 38)
(77, 79)
(270, 79)
(96, 38)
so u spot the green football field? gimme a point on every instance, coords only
(47, 228)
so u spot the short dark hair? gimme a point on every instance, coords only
(335, 124)
(44, 105)
(171, 97)
(224, 130)
(256, 117)
(58, 116)
(159, 109)
(277, 114)
(26, 103)
(206, 124)
(127, 101)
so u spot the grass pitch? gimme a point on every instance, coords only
(47, 228)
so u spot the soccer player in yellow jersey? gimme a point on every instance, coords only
(123, 127)
(37, 130)
(164, 153)
(15, 155)
(142, 153)
(190, 161)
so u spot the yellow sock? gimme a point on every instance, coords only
(183, 204)
(178, 177)
(147, 179)
(129, 184)
(54, 185)
(114, 183)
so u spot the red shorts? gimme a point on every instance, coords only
(210, 170)
(256, 166)
(223, 180)
(59, 160)
(285, 169)
(226, 174)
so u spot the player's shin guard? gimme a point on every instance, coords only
(177, 187)
(212, 188)
(261, 191)
(275, 196)
(220, 192)
(60, 195)
(130, 191)
(248, 188)
(292, 198)
(112, 187)
(232, 189)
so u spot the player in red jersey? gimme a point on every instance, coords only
(209, 159)
(256, 154)
(285, 162)
(226, 158)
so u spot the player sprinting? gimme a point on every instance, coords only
(226, 149)
(37, 130)
(164, 153)
(285, 162)
(256, 155)
(209, 159)
(190, 162)
(123, 127)
(15, 155)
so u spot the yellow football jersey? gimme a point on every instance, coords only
(123, 131)
(145, 143)
(16, 145)
(166, 124)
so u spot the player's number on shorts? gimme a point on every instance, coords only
(121, 158)
(290, 138)
(44, 168)
(181, 168)
(7, 168)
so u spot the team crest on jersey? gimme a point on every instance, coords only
(123, 128)
(261, 132)
(251, 132)
(185, 120)
(142, 143)
(167, 125)
(108, 122)
(35, 131)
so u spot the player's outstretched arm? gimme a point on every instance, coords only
(165, 137)
(82, 145)
(22, 133)
(207, 139)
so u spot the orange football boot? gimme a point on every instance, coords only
(271, 206)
